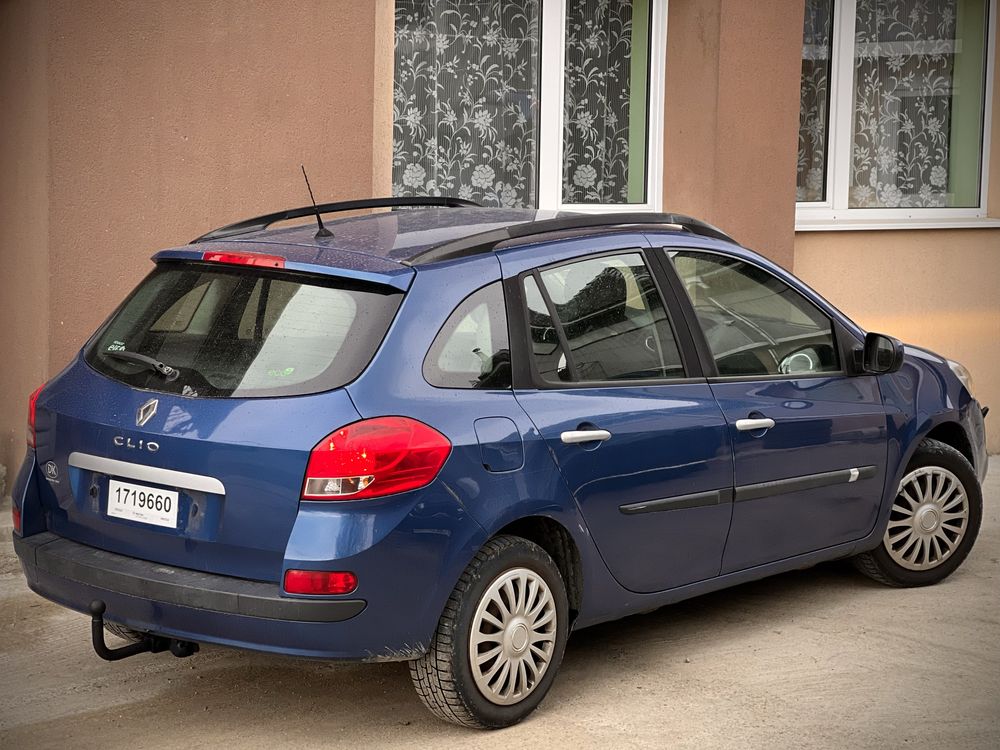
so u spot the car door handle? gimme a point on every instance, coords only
(571, 437)
(752, 425)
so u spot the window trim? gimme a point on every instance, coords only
(550, 122)
(834, 213)
(529, 377)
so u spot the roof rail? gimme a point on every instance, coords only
(487, 241)
(263, 222)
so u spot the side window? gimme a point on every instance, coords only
(472, 349)
(610, 322)
(755, 324)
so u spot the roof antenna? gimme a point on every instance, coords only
(322, 231)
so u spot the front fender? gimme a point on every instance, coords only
(923, 395)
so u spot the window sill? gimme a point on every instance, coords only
(902, 223)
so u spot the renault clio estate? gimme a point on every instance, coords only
(451, 435)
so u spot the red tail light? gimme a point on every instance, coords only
(16, 514)
(246, 259)
(374, 458)
(320, 582)
(31, 415)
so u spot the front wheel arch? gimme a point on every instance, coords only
(879, 564)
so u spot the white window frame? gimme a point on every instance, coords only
(550, 144)
(834, 213)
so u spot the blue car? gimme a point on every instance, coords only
(451, 435)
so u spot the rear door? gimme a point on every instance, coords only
(637, 435)
(202, 467)
(809, 440)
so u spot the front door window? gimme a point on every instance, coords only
(754, 323)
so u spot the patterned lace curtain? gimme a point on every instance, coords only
(909, 80)
(814, 100)
(598, 99)
(465, 100)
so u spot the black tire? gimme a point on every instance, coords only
(443, 676)
(879, 565)
(120, 631)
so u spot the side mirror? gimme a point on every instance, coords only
(881, 354)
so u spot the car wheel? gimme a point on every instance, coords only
(500, 640)
(933, 523)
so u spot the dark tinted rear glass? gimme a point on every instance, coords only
(244, 332)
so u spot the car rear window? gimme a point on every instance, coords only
(239, 332)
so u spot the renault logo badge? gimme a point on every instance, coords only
(146, 412)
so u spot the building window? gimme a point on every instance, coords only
(530, 103)
(892, 110)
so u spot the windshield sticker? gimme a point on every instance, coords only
(281, 373)
(116, 346)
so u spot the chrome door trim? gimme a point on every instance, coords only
(143, 473)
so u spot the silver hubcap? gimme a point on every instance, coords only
(928, 518)
(513, 636)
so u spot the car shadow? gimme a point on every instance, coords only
(282, 701)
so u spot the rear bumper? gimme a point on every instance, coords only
(199, 607)
(62, 558)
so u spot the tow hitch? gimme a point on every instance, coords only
(153, 644)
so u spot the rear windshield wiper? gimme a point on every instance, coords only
(168, 372)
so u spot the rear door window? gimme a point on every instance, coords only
(600, 320)
(243, 332)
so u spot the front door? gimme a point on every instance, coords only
(809, 440)
(643, 446)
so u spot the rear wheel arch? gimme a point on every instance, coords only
(557, 541)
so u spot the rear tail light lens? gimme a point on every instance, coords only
(16, 514)
(320, 582)
(374, 458)
(246, 259)
(32, 401)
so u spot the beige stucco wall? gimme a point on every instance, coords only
(731, 117)
(24, 227)
(939, 289)
(936, 288)
(135, 125)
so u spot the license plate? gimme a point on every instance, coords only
(144, 504)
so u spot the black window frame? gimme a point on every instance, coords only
(845, 343)
(526, 374)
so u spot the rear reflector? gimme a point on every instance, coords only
(246, 259)
(16, 514)
(320, 582)
(374, 458)
(32, 401)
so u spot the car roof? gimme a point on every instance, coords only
(395, 235)
(382, 247)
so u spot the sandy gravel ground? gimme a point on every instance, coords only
(819, 658)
